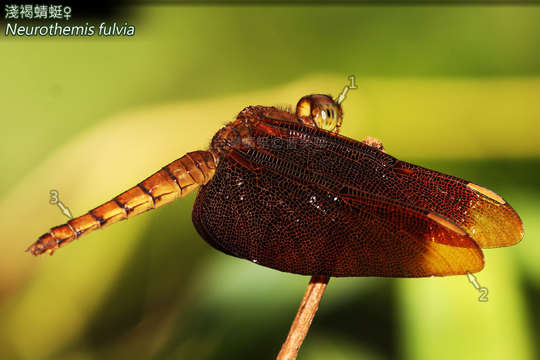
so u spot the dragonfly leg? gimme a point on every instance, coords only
(374, 142)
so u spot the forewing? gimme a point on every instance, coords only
(486, 216)
(354, 166)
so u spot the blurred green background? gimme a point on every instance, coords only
(452, 88)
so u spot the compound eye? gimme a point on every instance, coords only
(303, 108)
(320, 111)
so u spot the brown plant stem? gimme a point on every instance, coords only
(304, 317)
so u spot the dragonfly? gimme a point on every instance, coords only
(283, 189)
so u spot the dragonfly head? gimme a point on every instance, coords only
(320, 111)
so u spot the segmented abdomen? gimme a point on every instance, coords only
(173, 181)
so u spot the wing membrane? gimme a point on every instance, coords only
(272, 219)
(317, 203)
(486, 216)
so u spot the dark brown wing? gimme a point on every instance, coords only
(486, 216)
(267, 215)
